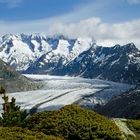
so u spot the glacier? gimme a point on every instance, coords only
(59, 91)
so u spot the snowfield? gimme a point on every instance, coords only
(59, 91)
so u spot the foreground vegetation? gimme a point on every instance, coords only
(74, 123)
(70, 123)
(134, 125)
(17, 133)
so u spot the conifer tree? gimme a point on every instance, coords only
(12, 115)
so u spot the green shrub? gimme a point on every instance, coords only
(74, 123)
(17, 133)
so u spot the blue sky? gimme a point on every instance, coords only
(108, 10)
(107, 21)
(36, 9)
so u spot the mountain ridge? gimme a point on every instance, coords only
(118, 63)
(12, 81)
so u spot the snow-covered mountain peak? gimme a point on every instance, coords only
(16, 49)
(20, 50)
(81, 44)
(10, 37)
(131, 46)
(127, 47)
(38, 36)
(117, 46)
(94, 46)
(85, 40)
(62, 48)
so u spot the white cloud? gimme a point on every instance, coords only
(11, 3)
(106, 34)
(134, 1)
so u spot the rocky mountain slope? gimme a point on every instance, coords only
(14, 81)
(126, 105)
(118, 63)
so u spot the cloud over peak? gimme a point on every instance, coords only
(104, 33)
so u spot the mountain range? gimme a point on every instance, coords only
(21, 51)
(59, 55)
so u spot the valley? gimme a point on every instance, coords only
(59, 91)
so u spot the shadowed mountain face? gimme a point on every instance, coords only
(13, 81)
(118, 63)
(126, 105)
